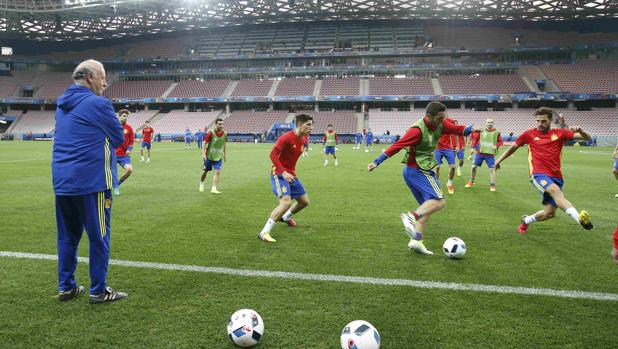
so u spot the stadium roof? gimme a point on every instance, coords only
(101, 19)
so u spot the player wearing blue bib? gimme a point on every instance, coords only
(368, 140)
(187, 139)
(359, 140)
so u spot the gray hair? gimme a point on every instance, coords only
(87, 67)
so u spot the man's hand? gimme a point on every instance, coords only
(288, 177)
(371, 166)
(576, 129)
(497, 166)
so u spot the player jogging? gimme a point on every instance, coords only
(461, 148)
(123, 152)
(147, 133)
(420, 142)
(446, 149)
(330, 143)
(187, 139)
(486, 143)
(544, 158)
(285, 185)
(368, 140)
(358, 140)
(214, 154)
(199, 138)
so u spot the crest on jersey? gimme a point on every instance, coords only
(554, 137)
(108, 203)
(543, 182)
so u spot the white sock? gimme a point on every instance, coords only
(142, 158)
(571, 211)
(286, 216)
(449, 182)
(268, 226)
(529, 220)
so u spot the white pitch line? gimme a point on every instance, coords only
(24, 160)
(527, 291)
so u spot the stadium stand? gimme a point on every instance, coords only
(344, 121)
(482, 84)
(177, 121)
(8, 86)
(36, 121)
(295, 87)
(252, 87)
(385, 86)
(50, 85)
(585, 77)
(200, 88)
(137, 119)
(253, 122)
(137, 89)
(340, 87)
(158, 49)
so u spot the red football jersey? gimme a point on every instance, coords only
(147, 134)
(129, 137)
(447, 141)
(286, 152)
(545, 150)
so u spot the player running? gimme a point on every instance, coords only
(123, 152)
(486, 143)
(214, 154)
(147, 133)
(544, 158)
(286, 186)
(446, 149)
(460, 151)
(358, 140)
(187, 139)
(330, 143)
(420, 143)
(368, 140)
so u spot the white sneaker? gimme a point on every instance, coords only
(410, 224)
(142, 160)
(326, 163)
(419, 247)
(336, 163)
(616, 196)
(458, 171)
(215, 191)
(201, 188)
(148, 160)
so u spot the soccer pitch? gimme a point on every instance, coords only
(350, 229)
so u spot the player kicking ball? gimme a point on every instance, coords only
(285, 185)
(545, 149)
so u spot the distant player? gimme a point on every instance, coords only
(147, 133)
(446, 149)
(368, 140)
(123, 152)
(486, 144)
(460, 151)
(358, 140)
(420, 142)
(214, 154)
(286, 186)
(330, 144)
(187, 139)
(544, 158)
(615, 171)
(199, 138)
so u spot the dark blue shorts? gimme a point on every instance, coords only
(209, 165)
(479, 158)
(449, 154)
(123, 160)
(329, 150)
(282, 188)
(369, 142)
(460, 154)
(541, 182)
(359, 140)
(146, 145)
(423, 184)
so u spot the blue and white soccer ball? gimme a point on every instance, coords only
(245, 328)
(454, 248)
(360, 334)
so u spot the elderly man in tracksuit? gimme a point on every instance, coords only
(87, 131)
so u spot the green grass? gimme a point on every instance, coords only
(350, 228)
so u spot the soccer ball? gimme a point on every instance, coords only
(245, 328)
(360, 334)
(454, 248)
